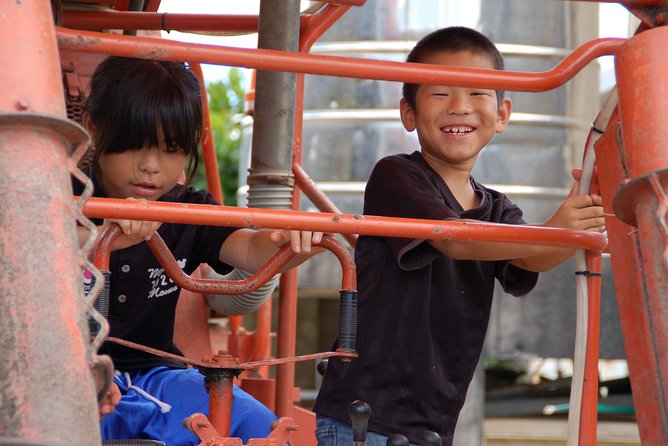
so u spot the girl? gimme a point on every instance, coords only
(145, 118)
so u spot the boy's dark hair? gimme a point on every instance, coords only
(131, 100)
(452, 39)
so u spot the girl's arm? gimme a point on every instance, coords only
(250, 250)
(134, 232)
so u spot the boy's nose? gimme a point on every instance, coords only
(459, 104)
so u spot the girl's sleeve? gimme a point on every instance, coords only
(209, 239)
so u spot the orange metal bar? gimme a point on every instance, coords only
(151, 48)
(217, 286)
(220, 405)
(208, 143)
(103, 246)
(317, 197)
(589, 411)
(286, 341)
(341, 223)
(95, 20)
(629, 3)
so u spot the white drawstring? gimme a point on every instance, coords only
(164, 407)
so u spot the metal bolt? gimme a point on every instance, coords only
(22, 104)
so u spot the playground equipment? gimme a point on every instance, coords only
(47, 390)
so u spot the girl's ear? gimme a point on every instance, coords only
(88, 125)
(407, 115)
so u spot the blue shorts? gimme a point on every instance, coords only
(154, 404)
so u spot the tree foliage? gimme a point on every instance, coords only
(226, 104)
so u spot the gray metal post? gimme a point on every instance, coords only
(270, 175)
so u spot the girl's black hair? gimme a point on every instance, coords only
(132, 100)
(453, 39)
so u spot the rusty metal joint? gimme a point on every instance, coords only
(75, 137)
(283, 180)
(625, 200)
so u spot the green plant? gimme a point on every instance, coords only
(226, 102)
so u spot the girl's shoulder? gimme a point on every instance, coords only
(188, 194)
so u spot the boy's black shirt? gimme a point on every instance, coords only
(422, 316)
(142, 299)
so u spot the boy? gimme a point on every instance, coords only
(424, 305)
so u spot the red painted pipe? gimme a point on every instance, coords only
(341, 223)
(318, 197)
(95, 20)
(160, 49)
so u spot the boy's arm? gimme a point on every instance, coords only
(583, 212)
(250, 250)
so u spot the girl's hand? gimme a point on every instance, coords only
(134, 231)
(109, 403)
(300, 241)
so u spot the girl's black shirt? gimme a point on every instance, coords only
(142, 299)
(422, 316)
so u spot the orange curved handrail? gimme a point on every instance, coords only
(159, 49)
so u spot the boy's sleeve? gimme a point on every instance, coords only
(399, 188)
(514, 280)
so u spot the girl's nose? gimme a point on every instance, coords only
(148, 160)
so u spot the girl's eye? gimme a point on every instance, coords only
(172, 150)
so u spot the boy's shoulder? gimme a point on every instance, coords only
(399, 160)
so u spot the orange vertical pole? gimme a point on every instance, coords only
(208, 144)
(47, 394)
(589, 412)
(636, 172)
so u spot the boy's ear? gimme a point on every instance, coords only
(407, 115)
(503, 115)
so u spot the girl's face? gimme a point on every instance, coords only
(147, 173)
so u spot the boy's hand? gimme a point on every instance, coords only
(299, 240)
(134, 231)
(109, 403)
(584, 212)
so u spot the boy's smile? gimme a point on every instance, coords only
(455, 123)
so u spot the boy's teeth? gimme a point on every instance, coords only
(457, 130)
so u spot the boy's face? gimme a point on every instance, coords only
(147, 173)
(455, 123)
